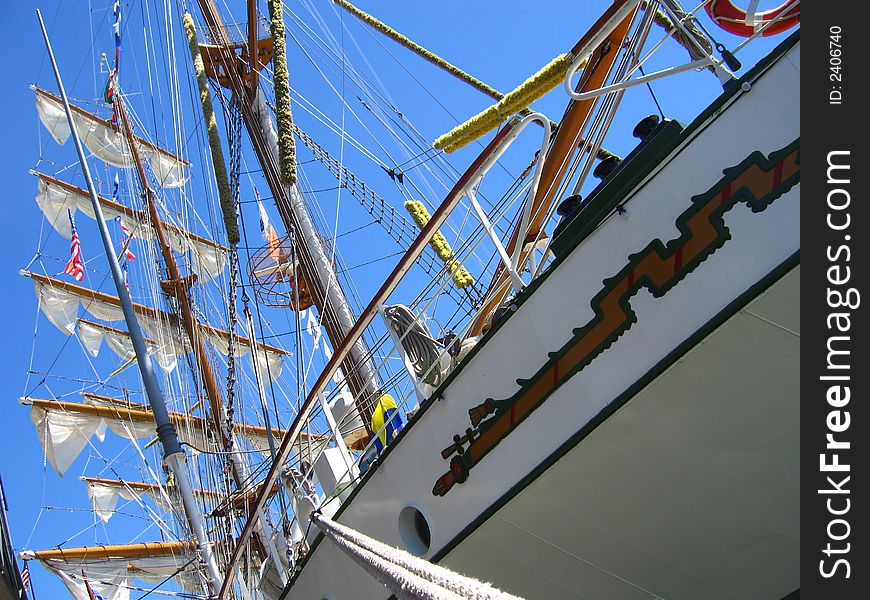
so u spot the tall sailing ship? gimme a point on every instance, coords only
(552, 349)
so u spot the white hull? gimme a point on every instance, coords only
(667, 466)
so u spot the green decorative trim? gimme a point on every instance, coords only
(225, 196)
(756, 181)
(281, 81)
(671, 358)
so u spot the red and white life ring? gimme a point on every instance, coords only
(737, 21)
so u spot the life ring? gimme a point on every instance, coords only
(735, 20)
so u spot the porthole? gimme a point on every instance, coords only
(415, 531)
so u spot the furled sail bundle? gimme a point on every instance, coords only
(65, 428)
(110, 570)
(107, 142)
(60, 302)
(56, 197)
(105, 493)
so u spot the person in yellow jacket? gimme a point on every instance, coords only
(386, 413)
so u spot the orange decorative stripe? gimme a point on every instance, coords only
(757, 181)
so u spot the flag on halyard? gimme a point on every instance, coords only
(25, 577)
(127, 239)
(111, 91)
(75, 266)
(116, 27)
(126, 282)
(267, 231)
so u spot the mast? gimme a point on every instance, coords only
(617, 19)
(174, 454)
(315, 264)
(176, 285)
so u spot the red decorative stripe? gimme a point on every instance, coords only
(513, 415)
(777, 175)
(726, 193)
(556, 373)
(630, 278)
(678, 260)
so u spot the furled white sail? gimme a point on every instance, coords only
(65, 428)
(64, 434)
(60, 304)
(104, 497)
(111, 578)
(54, 198)
(92, 335)
(107, 142)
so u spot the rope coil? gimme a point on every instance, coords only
(408, 577)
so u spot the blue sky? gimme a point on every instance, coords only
(502, 43)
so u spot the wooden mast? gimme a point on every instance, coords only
(178, 286)
(329, 299)
(558, 156)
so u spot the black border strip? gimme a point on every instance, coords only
(673, 356)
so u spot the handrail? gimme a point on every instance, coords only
(598, 34)
(343, 349)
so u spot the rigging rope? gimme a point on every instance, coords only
(399, 228)
(408, 577)
(281, 82)
(224, 193)
(419, 50)
(421, 348)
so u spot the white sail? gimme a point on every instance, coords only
(60, 303)
(55, 197)
(104, 497)
(111, 576)
(92, 335)
(65, 428)
(106, 142)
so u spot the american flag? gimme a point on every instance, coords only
(25, 577)
(128, 239)
(75, 266)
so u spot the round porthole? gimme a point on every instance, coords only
(415, 532)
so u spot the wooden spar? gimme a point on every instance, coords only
(142, 550)
(78, 290)
(558, 156)
(238, 499)
(134, 215)
(110, 400)
(141, 309)
(140, 413)
(177, 286)
(253, 55)
(412, 254)
(140, 486)
(329, 299)
(97, 119)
